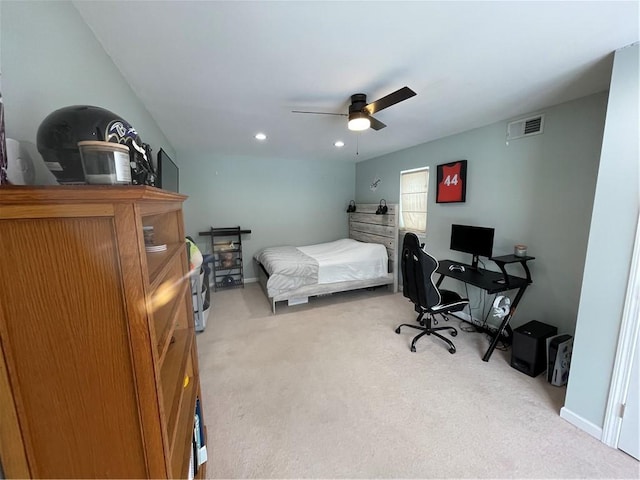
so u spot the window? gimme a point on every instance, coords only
(414, 187)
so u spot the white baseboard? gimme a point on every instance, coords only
(581, 423)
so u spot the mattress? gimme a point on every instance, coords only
(343, 260)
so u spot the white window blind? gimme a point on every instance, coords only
(414, 187)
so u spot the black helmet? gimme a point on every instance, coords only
(60, 132)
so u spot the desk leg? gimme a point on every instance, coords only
(504, 324)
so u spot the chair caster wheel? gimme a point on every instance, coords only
(452, 351)
(398, 330)
(413, 349)
(454, 333)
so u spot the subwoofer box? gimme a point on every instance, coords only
(528, 350)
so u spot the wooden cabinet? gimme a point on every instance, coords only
(99, 368)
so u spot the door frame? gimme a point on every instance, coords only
(629, 331)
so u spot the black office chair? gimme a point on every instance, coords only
(418, 268)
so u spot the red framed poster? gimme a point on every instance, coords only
(452, 182)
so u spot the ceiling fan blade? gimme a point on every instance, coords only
(320, 113)
(376, 124)
(389, 100)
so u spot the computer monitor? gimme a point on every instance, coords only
(478, 241)
(168, 173)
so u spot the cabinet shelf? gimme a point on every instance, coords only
(236, 259)
(230, 284)
(159, 262)
(226, 271)
(227, 250)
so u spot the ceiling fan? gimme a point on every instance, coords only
(360, 112)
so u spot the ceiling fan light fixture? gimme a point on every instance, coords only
(358, 121)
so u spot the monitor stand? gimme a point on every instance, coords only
(474, 263)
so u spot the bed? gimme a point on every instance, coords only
(368, 258)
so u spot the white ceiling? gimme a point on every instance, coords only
(213, 73)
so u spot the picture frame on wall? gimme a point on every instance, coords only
(451, 181)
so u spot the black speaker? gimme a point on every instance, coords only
(352, 207)
(528, 349)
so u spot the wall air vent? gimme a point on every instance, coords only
(525, 127)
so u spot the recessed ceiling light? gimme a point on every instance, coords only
(339, 143)
(261, 136)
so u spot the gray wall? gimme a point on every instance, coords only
(281, 202)
(536, 190)
(51, 59)
(611, 237)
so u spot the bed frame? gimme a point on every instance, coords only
(365, 226)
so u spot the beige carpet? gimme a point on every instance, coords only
(328, 390)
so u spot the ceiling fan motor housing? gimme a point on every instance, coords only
(358, 102)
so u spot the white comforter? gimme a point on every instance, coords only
(343, 260)
(288, 268)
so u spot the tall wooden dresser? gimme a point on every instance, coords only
(98, 364)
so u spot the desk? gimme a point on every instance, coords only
(492, 283)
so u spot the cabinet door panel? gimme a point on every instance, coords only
(65, 331)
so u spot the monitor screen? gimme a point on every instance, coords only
(168, 173)
(478, 241)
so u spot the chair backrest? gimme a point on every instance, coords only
(417, 269)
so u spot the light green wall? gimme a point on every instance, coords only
(282, 202)
(611, 237)
(50, 60)
(536, 190)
